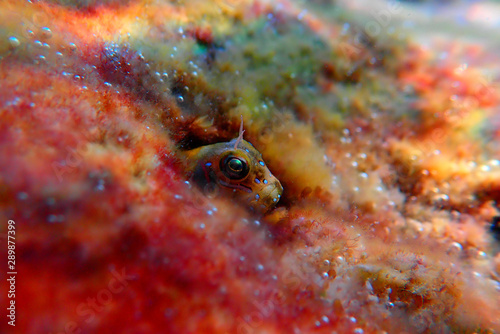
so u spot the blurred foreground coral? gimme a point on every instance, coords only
(388, 154)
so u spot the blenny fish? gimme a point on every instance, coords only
(235, 169)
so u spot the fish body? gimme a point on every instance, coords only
(235, 169)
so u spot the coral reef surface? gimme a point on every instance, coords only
(386, 148)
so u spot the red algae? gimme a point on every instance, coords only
(386, 153)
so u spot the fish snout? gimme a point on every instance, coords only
(267, 197)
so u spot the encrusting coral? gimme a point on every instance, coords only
(387, 154)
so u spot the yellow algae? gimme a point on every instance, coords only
(287, 135)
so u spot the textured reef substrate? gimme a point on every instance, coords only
(387, 151)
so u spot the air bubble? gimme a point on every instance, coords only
(22, 196)
(485, 168)
(180, 99)
(40, 59)
(455, 247)
(52, 219)
(345, 28)
(46, 32)
(14, 42)
(441, 197)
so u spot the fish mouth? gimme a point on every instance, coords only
(271, 194)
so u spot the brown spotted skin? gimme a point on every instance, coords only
(259, 188)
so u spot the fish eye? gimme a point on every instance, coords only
(234, 168)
